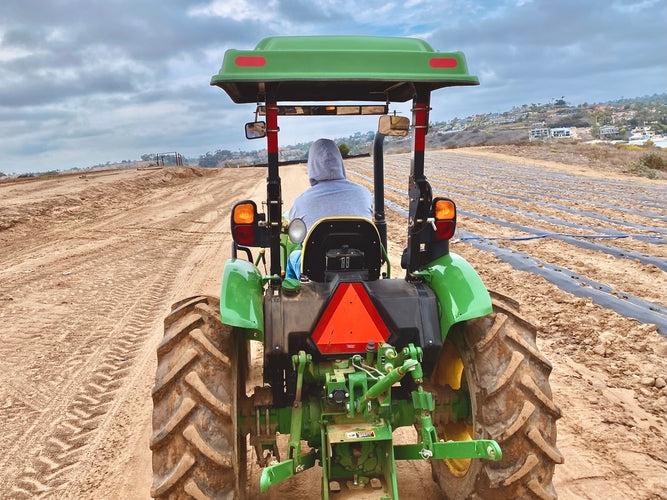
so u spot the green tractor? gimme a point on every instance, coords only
(350, 354)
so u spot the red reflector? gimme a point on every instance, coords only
(243, 235)
(444, 229)
(349, 322)
(250, 61)
(443, 62)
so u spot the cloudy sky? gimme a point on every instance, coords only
(86, 81)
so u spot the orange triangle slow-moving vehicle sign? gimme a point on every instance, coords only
(349, 322)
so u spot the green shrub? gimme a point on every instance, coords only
(648, 165)
(641, 170)
(655, 161)
(344, 150)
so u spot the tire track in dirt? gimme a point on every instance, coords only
(91, 375)
(54, 422)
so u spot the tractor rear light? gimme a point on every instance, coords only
(444, 229)
(244, 213)
(246, 61)
(244, 222)
(444, 209)
(444, 214)
(244, 234)
(297, 230)
(443, 62)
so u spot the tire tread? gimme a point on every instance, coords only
(508, 379)
(194, 442)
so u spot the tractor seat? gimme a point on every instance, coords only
(342, 246)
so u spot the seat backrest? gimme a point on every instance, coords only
(342, 245)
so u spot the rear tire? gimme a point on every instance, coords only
(506, 379)
(196, 451)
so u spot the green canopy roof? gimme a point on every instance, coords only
(339, 68)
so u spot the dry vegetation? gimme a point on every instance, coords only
(621, 158)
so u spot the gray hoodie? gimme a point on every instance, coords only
(330, 194)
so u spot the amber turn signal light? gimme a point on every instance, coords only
(444, 209)
(244, 213)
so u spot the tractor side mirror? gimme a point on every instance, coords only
(394, 125)
(255, 130)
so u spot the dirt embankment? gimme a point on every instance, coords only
(90, 265)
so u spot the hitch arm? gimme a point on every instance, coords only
(486, 449)
(295, 462)
(431, 448)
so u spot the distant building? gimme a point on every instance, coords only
(642, 133)
(539, 133)
(546, 133)
(561, 133)
(608, 130)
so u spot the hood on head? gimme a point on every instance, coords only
(325, 162)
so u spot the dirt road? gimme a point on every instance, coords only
(90, 265)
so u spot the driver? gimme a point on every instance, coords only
(330, 194)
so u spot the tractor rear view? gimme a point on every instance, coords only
(349, 353)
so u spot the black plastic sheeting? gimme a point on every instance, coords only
(579, 240)
(623, 303)
(533, 186)
(534, 182)
(562, 208)
(649, 234)
(491, 170)
(538, 182)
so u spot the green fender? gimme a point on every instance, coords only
(241, 297)
(460, 291)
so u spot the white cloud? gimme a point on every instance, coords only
(12, 53)
(634, 6)
(106, 83)
(58, 35)
(488, 76)
(238, 10)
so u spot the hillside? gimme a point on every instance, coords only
(610, 123)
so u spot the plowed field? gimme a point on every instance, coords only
(89, 266)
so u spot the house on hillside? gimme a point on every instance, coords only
(561, 133)
(608, 131)
(539, 133)
(642, 133)
(553, 133)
